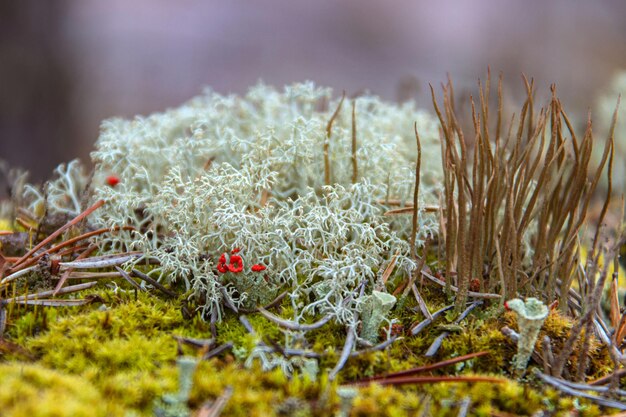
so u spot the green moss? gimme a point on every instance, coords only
(28, 390)
(386, 401)
(258, 393)
(134, 335)
(125, 351)
(124, 358)
(31, 322)
(444, 399)
(126, 354)
(231, 330)
(136, 389)
(117, 357)
(480, 336)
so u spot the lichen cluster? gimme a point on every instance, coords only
(224, 172)
(285, 200)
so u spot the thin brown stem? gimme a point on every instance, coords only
(355, 167)
(416, 191)
(329, 130)
(56, 234)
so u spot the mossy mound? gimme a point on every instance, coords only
(118, 359)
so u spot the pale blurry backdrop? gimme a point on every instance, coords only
(66, 65)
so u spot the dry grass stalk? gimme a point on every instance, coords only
(412, 380)
(67, 273)
(355, 166)
(329, 131)
(416, 191)
(390, 267)
(533, 187)
(409, 209)
(425, 368)
(591, 303)
(56, 234)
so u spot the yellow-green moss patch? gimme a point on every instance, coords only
(30, 390)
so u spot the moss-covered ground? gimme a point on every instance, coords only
(116, 357)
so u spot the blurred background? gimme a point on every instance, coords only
(67, 64)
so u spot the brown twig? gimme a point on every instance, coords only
(291, 325)
(472, 294)
(56, 234)
(434, 347)
(329, 130)
(214, 409)
(418, 327)
(561, 385)
(70, 242)
(355, 166)
(67, 273)
(345, 353)
(154, 283)
(416, 191)
(49, 293)
(426, 368)
(390, 267)
(411, 380)
(606, 379)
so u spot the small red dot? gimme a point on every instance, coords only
(258, 268)
(113, 180)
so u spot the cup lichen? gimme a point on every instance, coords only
(531, 314)
(374, 309)
(175, 405)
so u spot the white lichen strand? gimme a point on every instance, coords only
(61, 195)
